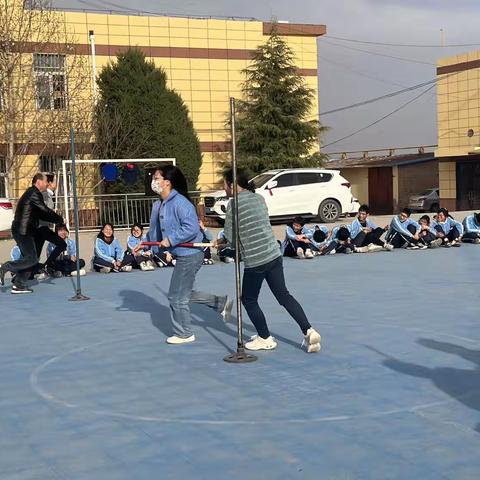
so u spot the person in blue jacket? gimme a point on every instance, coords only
(66, 263)
(109, 256)
(297, 241)
(176, 222)
(339, 242)
(427, 234)
(365, 233)
(403, 231)
(471, 227)
(449, 230)
(142, 256)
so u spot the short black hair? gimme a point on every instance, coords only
(477, 217)
(37, 176)
(242, 178)
(424, 217)
(319, 236)
(298, 219)
(364, 208)
(406, 211)
(343, 234)
(50, 177)
(61, 226)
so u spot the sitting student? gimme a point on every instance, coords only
(447, 228)
(38, 273)
(319, 238)
(297, 241)
(427, 234)
(142, 256)
(471, 225)
(225, 253)
(66, 263)
(108, 253)
(403, 231)
(366, 235)
(340, 241)
(207, 238)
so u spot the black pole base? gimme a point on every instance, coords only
(78, 297)
(240, 356)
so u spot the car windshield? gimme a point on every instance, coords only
(425, 193)
(261, 179)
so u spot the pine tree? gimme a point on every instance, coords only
(273, 125)
(138, 116)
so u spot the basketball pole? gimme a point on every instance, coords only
(78, 293)
(240, 356)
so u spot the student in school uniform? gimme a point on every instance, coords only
(66, 263)
(340, 241)
(471, 227)
(403, 231)
(109, 256)
(225, 252)
(142, 256)
(427, 234)
(207, 238)
(297, 241)
(366, 236)
(448, 229)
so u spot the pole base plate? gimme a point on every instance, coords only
(78, 297)
(240, 356)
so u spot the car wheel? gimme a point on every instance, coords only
(329, 210)
(434, 208)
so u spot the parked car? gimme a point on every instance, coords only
(426, 201)
(310, 192)
(6, 214)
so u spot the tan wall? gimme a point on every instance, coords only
(358, 177)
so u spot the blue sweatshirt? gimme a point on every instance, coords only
(109, 252)
(324, 229)
(334, 238)
(132, 242)
(447, 225)
(401, 227)
(470, 225)
(176, 219)
(70, 251)
(356, 226)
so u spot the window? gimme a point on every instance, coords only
(3, 176)
(287, 180)
(50, 81)
(50, 163)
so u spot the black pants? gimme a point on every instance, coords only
(427, 238)
(452, 235)
(272, 272)
(67, 266)
(363, 239)
(45, 234)
(226, 252)
(338, 247)
(292, 245)
(99, 263)
(138, 259)
(22, 268)
(399, 240)
(207, 253)
(470, 236)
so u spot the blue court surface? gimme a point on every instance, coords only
(91, 390)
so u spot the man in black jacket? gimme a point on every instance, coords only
(30, 209)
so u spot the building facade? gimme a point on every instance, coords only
(458, 115)
(202, 57)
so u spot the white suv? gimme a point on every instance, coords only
(6, 214)
(310, 192)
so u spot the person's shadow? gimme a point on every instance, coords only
(461, 384)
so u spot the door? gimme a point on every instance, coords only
(468, 185)
(281, 199)
(380, 190)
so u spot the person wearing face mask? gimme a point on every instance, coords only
(174, 221)
(30, 210)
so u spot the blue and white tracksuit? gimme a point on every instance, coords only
(105, 254)
(400, 234)
(452, 229)
(471, 228)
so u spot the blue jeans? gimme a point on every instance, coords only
(181, 293)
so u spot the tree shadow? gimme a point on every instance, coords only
(461, 384)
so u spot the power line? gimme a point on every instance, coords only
(402, 44)
(409, 60)
(380, 119)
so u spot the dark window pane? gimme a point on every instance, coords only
(287, 180)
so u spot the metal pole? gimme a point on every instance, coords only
(65, 194)
(240, 356)
(78, 293)
(91, 35)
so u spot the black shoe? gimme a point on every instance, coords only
(18, 290)
(2, 275)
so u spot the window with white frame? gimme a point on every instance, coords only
(50, 163)
(50, 81)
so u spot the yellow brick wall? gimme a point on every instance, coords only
(447, 175)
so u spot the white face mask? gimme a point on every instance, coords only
(156, 187)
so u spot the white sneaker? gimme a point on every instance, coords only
(372, 248)
(226, 313)
(40, 276)
(105, 270)
(422, 246)
(174, 340)
(300, 253)
(259, 343)
(82, 273)
(388, 247)
(413, 247)
(229, 260)
(455, 243)
(174, 261)
(362, 250)
(144, 266)
(312, 341)
(333, 252)
(308, 253)
(436, 243)
(151, 265)
(126, 268)
(476, 241)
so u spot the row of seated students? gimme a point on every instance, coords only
(363, 236)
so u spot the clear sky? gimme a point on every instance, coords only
(347, 75)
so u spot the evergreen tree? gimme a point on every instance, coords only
(138, 116)
(273, 128)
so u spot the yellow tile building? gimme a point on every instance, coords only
(458, 116)
(203, 59)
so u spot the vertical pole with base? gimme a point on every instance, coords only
(78, 292)
(240, 356)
